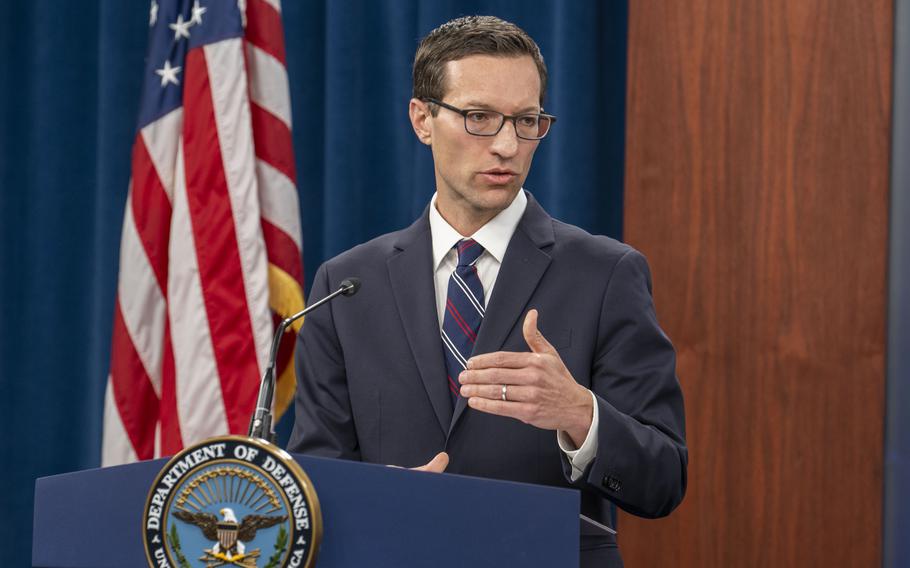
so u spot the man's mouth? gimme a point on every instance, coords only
(498, 176)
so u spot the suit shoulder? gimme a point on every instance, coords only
(598, 258)
(373, 252)
(576, 242)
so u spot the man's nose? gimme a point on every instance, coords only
(505, 143)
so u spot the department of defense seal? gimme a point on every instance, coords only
(229, 502)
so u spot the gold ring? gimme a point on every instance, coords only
(504, 391)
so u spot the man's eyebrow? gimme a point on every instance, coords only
(479, 105)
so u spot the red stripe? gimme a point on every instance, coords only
(151, 211)
(282, 251)
(264, 29)
(456, 315)
(452, 386)
(171, 438)
(216, 248)
(273, 141)
(136, 399)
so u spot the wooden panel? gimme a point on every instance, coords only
(757, 185)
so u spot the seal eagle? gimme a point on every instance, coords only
(229, 535)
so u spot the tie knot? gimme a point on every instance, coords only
(468, 251)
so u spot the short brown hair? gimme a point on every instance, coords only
(466, 36)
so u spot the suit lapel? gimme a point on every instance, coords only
(411, 273)
(523, 265)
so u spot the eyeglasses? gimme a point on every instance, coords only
(483, 122)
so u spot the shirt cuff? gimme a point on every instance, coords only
(581, 457)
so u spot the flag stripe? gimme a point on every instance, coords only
(141, 304)
(135, 398)
(231, 104)
(273, 141)
(269, 83)
(276, 4)
(116, 447)
(195, 371)
(217, 253)
(151, 210)
(282, 252)
(171, 437)
(264, 29)
(161, 138)
(278, 199)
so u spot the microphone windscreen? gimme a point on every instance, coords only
(351, 286)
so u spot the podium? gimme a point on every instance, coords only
(372, 515)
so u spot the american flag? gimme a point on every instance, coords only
(210, 256)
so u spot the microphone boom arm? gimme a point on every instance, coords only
(261, 423)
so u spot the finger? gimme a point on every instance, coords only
(436, 465)
(511, 409)
(496, 376)
(500, 359)
(514, 393)
(535, 340)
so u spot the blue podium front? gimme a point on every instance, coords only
(372, 516)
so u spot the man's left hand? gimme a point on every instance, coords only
(539, 389)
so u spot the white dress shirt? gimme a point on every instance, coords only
(494, 237)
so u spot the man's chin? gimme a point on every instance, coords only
(496, 197)
(503, 191)
(482, 200)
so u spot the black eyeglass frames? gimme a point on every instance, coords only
(485, 122)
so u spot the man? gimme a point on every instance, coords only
(487, 334)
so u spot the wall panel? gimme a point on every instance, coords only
(757, 185)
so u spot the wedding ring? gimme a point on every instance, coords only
(504, 391)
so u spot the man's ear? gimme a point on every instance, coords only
(421, 120)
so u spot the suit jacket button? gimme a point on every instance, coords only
(612, 483)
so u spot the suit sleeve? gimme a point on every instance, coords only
(324, 424)
(641, 457)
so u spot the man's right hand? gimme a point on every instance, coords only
(436, 465)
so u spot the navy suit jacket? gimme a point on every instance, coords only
(372, 381)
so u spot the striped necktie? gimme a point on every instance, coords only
(464, 313)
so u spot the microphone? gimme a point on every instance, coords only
(261, 422)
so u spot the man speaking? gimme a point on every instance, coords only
(490, 339)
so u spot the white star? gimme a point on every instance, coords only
(181, 28)
(153, 13)
(168, 74)
(197, 13)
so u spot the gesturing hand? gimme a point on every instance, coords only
(436, 465)
(534, 387)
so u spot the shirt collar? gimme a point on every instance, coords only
(494, 237)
